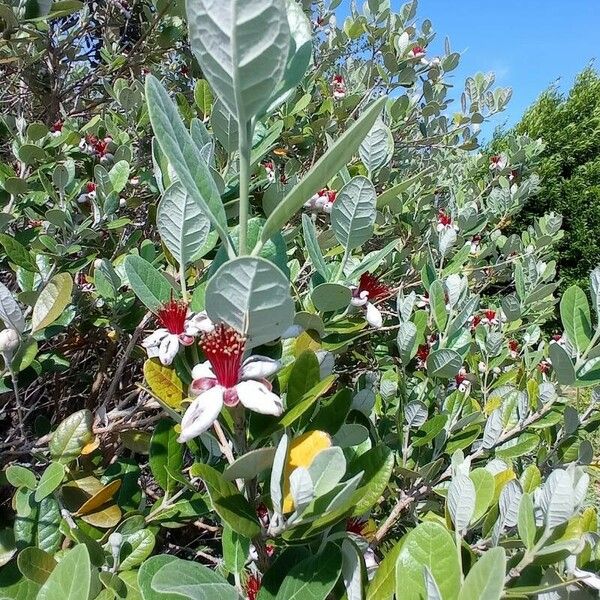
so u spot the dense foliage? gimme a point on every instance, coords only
(266, 334)
(569, 170)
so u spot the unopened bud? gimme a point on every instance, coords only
(9, 342)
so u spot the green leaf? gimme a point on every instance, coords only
(10, 312)
(52, 301)
(562, 364)
(437, 297)
(119, 176)
(314, 577)
(526, 443)
(225, 127)
(40, 526)
(182, 225)
(429, 430)
(383, 584)
(203, 97)
(250, 464)
(166, 454)
(484, 484)
(428, 545)
(326, 470)
(407, 341)
(305, 374)
(444, 363)
(36, 564)
(376, 149)
(183, 155)
(17, 253)
(147, 572)
(486, 577)
(137, 547)
(241, 50)
(461, 502)
(229, 504)
(353, 213)
(62, 584)
(325, 168)
(307, 401)
(50, 480)
(21, 477)
(377, 465)
(235, 550)
(71, 436)
(253, 296)
(575, 316)
(526, 521)
(149, 285)
(312, 246)
(328, 297)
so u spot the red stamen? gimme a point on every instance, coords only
(423, 353)
(490, 315)
(444, 218)
(172, 316)
(338, 80)
(252, 587)
(513, 345)
(374, 288)
(418, 50)
(495, 159)
(356, 526)
(476, 320)
(90, 187)
(224, 348)
(56, 126)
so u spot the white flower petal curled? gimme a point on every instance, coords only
(374, 318)
(168, 349)
(259, 367)
(154, 339)
(256, 396)
(201, 414)
(202, 370)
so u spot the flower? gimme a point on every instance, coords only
(498, 162)
(475, 244)
(270, 169)
(474, 320)
(89, 194)
(490, 317)
(423, 300)
(101, 149)
(225, 380)
(179, 327)
(56, 128)
(338, 86)
(322, 201)
(422, 354)
(370, 289)
(544, 367)
(417, 52)
(252, 586)
(9, 343)
(444, 221)
(513, 348)
(461, 383)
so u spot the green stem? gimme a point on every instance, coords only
(184, 293)
(244, 148)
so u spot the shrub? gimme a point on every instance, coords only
(275, 341)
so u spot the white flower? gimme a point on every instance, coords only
(445, 222)
(270, 169)
(370, 288)
(225, 380)
(338, 86)
(179, 327)
(498, 162)
(9, 342)
(322, 201)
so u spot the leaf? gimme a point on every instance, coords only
(575, 317)
(149, 285)
(52, 301)
(428, 545)
(190, 580)
(486, 577)
(376, 465)
(253, 296)
(353, 213)
(36, 564)
(229, 504)
(242, 50)
(307, 401)
(235, 550)
(437, 297)
(483, 481)
(312, 246)
(305, 374)
(353, 571)
(100, 498)
(314, 577)
(182, 225)
(325, 168)
(21, 477)
(407, 341)
(183, 155)
(10, 312)
(164, 383)
(444, 363)
(526, 521)
(276, 482)
(250, 465)
(137, 547)
(203, 97)
(461, 502)
(328, 297)
(327, 470)
(50, 480)
(383, 584)
(166, 454)
(119, 176)
(17, 253)
(62, 584)
(147, 572)
(375, 150)
(225, 127)
(562, 364)
(71, 436)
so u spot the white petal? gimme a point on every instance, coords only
(358, 301)
(201, 414)
(259, 367)
(374, 318)
(199, 322)
(154, 339)
(202, 370)
(257, 397)
(168, 349)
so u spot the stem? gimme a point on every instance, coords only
(244, 148)
(17, 398)
(184, 293)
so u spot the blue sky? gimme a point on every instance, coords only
(529, 44)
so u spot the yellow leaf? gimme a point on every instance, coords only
(100, 498)
(89, 448)
(164, 383)
(105, 517)
(501, 479)
(301, 453)
(307, 341)
(589, 519)
(52, 301)
(492, 404)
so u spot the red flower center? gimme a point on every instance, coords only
(490, 315)
(495, 159)
(172, 316)
(252, 587)
(513, 345)
(57, 126)
(90, 187)
(101, 147)
(476, 320)
(444, 218)
(374, 288)
(224, 348)
(460, 378)
(423, 352)
(269, 166)
(418, 50)
(356, 526)
(338, 80)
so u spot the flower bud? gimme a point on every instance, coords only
(9, 342)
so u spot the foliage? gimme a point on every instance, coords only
(569, 169)
(267, 335)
